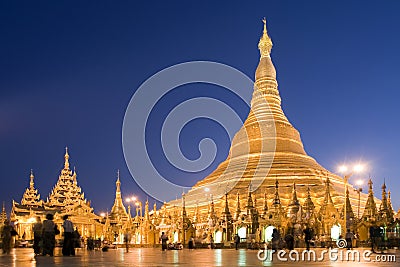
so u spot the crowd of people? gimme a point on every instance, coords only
(44, 242)
(44, 236)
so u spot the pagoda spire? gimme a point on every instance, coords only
(390, 206)
(348, 211)
(384, 212)
(226, 208)
(309, 204)
(277, 200)
(118, 210)
(328, 197)
(370, 212)
(265, 208)
(294, 201)
(226, 214)
(31, 196)
(250, 205)
(66, 159)
(146, 211)
(183, 205)
(31, 183)
(294, 205)
(238, 211)
(212, 209)
(3, 215)
(265, 43)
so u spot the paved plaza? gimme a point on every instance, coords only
(155, 257)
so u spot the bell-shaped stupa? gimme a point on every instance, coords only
(268, 149)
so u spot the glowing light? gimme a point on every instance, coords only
(335, 232)
(358, 168)
(242, 232)
(268, 233)
(207, 189)
(359, 182)
(343, 169)
(102, 214)
(218, 237)
(176, 237)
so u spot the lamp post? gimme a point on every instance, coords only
(346, 175)
(359, 190)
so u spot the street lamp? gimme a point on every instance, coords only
(344, 170)
(359, 190)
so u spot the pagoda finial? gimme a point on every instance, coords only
(118, 183)
(66, 157)
(370, 186)
(238, 211)
(277, 200)
(31, 183)
(265, 209)
(265, 43)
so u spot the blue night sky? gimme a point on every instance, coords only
(69, 68)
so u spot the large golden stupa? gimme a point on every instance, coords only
(268, 149)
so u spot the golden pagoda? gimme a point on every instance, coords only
(266, 152)
(66, 198)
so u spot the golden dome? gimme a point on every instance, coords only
(265, 69)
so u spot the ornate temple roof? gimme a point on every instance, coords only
(31, 196)
(66, 193)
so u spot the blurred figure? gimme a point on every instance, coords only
(7, 232)
(349, 239)
(237, 241)
(191, 243)
(164, 239)
(307, 237)
(49, 235)
(289, 239)
(68, 245)
(126, 240)
(37, 236)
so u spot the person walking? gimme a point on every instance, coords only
(349, 239)
(237, 241)
(191, 243)
(49, 235)
(37, 236)
(68, 245)
(7, 232)
(127, 237)
(289, 239)
(307, 237)
(164, 239)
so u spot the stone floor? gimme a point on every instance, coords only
(155, 257)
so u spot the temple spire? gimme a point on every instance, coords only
(265, 43)
(183, 205)
(238, 211)
(277, 200)
(66, 157)
(31, 182)
(3, 215)
(265, 209)
(370, 212)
